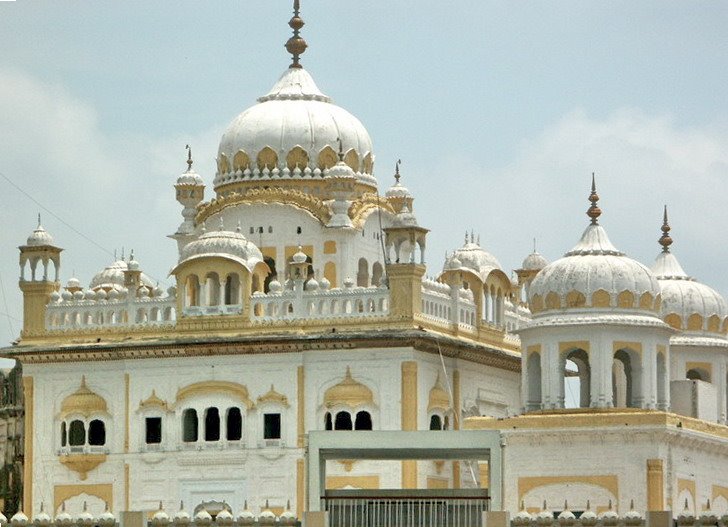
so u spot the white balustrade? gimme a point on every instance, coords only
(82, 313)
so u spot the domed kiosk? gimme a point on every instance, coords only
(621, 359)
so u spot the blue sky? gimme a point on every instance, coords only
(500, 111)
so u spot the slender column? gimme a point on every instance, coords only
(409, 419)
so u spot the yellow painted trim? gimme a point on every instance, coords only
(330, 247)
(300, 406)
(655, 485)
(290, 250)
(360, 482)
(126, 413)
(273, 396)
(699, 366)
(28, 393)
(300, 487)
(127, 497)
(456, 474)
(689, 485)
(572, 345)
(536, 348)
(437, 483)
(214, 388)
(456, 399)
(82, 463)
(719, 490)
(409, 419)
(609, 482)
(330, 273)
(153, 401)
(103, 491)
(626, 345)
(591, 417)
(483, 473)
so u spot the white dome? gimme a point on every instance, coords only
(404, 218)
(594, 265)
(534, 262)
(226, 244)
(685, 297)
(112, 277)
(473, 257)
(294, 113)
(190, 178)
(39, 237)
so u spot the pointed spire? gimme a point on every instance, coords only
(534, 244)
(594, 211)
(296, 45)
(467, 240)
(39, 225)
(396, 172)
(665, 239)
(341, 149)
(189, 158)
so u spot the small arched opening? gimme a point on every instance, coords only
(533, 374)
(363, 421)
(626, 375)
(189, 425)
(343, 421)
(577, 379)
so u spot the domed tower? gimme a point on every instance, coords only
(190, 191)
(296, 170)
(698, 351)
(596, 310)
(530, 267)
(39, 257)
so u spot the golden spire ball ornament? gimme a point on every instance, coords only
(296, 45)
(665, 239)
(594, 211)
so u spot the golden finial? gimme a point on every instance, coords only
(296, 45)
(665, 239)
(189, 157)
(594, 211)
(396, 170)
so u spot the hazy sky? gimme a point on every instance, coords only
(500, 111)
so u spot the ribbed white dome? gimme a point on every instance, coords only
(39, 237)
(294, 113)
(473, 257)
(534, 262)
(593, 265)
(112, 277)
(190, 178)
(684, 296)
(226, 244)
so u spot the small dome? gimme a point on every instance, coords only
(324, 284)
(632, 517)
(274, 286)
(73, 283)
(609, 517)
(84, 402)
(39, 237)
(66, 295)
(348, 393)
(78, 295)
(588, 518)
(341, 170)
(181, 517)
(63, 518)
(299, 256)
(404, 218)
(160, 517)
(312, 284)
(266, 516)
(190, 178)
(594, 265)
(42, 519)
(55, 296)
(685, 518)
(226, 244)
(473, 257)
(544, 517)
(534, 262)
(203, 517)
(398, 191)
(112, 277)
(566, 517)
(246, 516)
(85, 519)
(19, 519)
(224, 517)
(523, 518)
(686, 303)
(106, 518)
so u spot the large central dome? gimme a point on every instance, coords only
(292, 133)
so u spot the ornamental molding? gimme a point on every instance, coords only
(361, 208)
(82, 463)
(275, 195)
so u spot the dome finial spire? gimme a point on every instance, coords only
(594, 211)
(396, 170)
(341, 149)
(189, 157)
(296, 45)
(665, 239)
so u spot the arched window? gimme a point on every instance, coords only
(192, 291)
(328, 425)
(697, 374)
(577, 387)
(363, 421)
(377, 272)
(435, 422)
(343, 421)
(64, 438)
(189, 425)
(96, 433)
(212, 424)
(212, 289)
(232, 290)
(626, 387)
(362, 276)
(234, 428)
(77, 433)
(533, 374)
(662, 383)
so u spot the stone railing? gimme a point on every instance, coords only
(91, 310)
(441, 305)
(297, 303)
